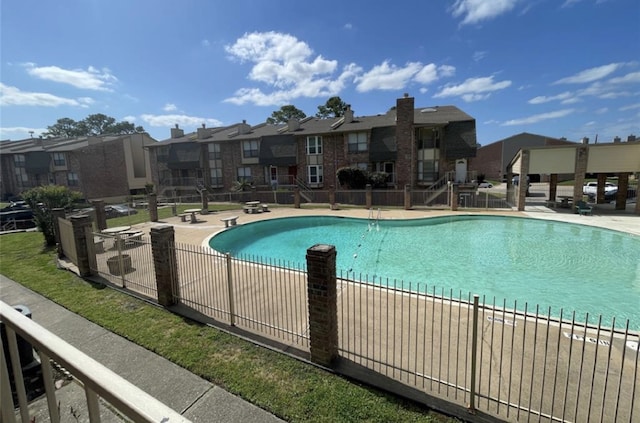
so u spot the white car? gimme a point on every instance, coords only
(590, 188)
(485, 185)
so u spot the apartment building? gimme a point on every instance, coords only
(106, 166)
(414, 146)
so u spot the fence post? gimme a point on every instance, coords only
(232, 309)
(323, 307)
(165, 264)
(152, 203)
(369, 195)
(55, 214)
(204, 196)
(474, 356)
(332, 198)
(454, 197)
(407, 197)
(101, 216)
(79, 225)
(296, 197)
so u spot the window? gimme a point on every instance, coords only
(244, 174)
(315, 174)
(72, 179)
(21, 175)
(216, 178)
(357, 142)
(163, 154)
(215, 165)
(59, 160)
(250, 149)
(18, 160)
(214, 151)
(314, 145)
(428, 138)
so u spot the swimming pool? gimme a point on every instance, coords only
(552, 264)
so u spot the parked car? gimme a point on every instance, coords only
(118, 210)
(485, 184)
(591, 188)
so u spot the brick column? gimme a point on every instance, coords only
(55, 214)
(205, 202)
(165, 264)
(454, 197)
(553, 187)
(152, 201)
(81, 225)
(368, 196)
(623, 187)
(296, 197)
(407, 197)
(101, 216)
(582, 157)
(332, 198)
(323, 308)
(602, 180)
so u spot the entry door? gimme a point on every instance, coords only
(273, 171)
(461, 170)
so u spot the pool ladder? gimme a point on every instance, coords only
(373, 222)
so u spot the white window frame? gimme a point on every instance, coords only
(59, 160)
(72, 179)
(315, 174)
(250, 149)
(244, 173)
(18, 160)
(357, 142)
(313, 145)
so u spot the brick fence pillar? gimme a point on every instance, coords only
(101, 216)
(523, 180)
(332, 198)
(205, 201)
(407, 197)
(369, 196)
(323, 308)
(152, 201)
(165, 264)
(454, 197)
(55, 214)
(602, 180)
(296, 197)
(553, 186)
(82, 228)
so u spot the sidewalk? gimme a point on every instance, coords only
(188, 394)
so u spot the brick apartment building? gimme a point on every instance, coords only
(414, 146)
(97, 166)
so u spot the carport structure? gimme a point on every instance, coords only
(620, 158)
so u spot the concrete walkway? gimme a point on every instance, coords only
(186, 393)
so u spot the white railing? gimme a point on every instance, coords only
(98, 381)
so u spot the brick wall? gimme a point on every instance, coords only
(101, 170)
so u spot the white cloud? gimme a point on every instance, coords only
(479, 55)
(20, 132)
(544, 99)
(389, 77)
(473, 89)
(170, 120)
(629, 107)
(539, 117)
(169, 107)
(602, 110)
(474, 11)
(205, 43)
(348, 26)
(90, 79)
(283, 62)
(590, 75)
(130, 118)
(12, 96)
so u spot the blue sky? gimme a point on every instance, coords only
(560, 68)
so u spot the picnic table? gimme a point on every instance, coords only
(116, 230)
(192, 212)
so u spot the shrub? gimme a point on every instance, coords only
(44, 199)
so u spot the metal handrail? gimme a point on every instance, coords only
(98, 381)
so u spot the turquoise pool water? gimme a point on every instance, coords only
(553, 264)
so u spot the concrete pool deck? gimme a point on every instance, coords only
(604, 216)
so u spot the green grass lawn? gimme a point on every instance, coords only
(290, 389)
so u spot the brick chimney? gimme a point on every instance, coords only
(406, 164)
(177, 132)
(348, 114)
(203, 132)
(244, 128)
(293, 124)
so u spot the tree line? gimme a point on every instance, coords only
(100, 124)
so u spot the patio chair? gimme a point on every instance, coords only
(583, 208)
